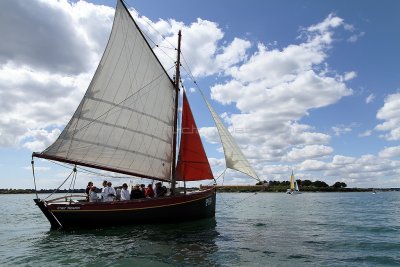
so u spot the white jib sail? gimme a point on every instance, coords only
(125, 120)
(233, 155)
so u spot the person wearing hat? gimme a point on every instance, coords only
(125, 192)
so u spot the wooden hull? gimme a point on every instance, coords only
(178, 208)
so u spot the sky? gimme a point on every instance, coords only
(310, 86)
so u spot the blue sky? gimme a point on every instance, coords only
(311, 86)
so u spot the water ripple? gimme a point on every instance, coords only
(271, 229)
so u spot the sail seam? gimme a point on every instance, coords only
(122, 149)
(127, 129)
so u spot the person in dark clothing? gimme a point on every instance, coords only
(136, 193)
(160, 190)
(88, 187)
(143, 189)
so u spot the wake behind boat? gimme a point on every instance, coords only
(127, 123)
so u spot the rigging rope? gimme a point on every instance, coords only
(138, 13)
(172, 48)
(59, 186)
(34, 178)
(235, 204)
(73, 180)
(156, 31)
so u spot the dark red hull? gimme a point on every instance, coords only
(178, 208)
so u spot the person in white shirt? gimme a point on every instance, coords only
(109, 193)
(104, 191)
(125, 195)
(93, 195)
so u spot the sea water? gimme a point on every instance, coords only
(264, 229)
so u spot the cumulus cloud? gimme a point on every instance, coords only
(46, 64)
(389, 113)
(38, 140)
(308, 152)
(367, 166)
(339, 160)
(275, 89)
(390, 152)
(210, 134)
(204, 55)
(50, 35)
(313, 165)
(331, 21)
(370, 98)
(350, 75)
(358, 171)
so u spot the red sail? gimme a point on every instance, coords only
(192, 160)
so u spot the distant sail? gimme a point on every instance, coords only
(193, 164)
(124, 123)
(233, 155)
(292, 181)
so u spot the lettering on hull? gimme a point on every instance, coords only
(68, 208)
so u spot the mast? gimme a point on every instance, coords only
(177, 79)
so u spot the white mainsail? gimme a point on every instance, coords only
(125, 120)
(234, 157)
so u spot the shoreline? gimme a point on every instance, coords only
(304, 189)
(226, 189)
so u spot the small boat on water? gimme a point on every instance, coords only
(294, 188)
(127, 123)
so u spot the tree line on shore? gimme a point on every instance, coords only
(306, 185)
(282, 186)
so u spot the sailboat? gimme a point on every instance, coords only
(127, 123)
(294, 188)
